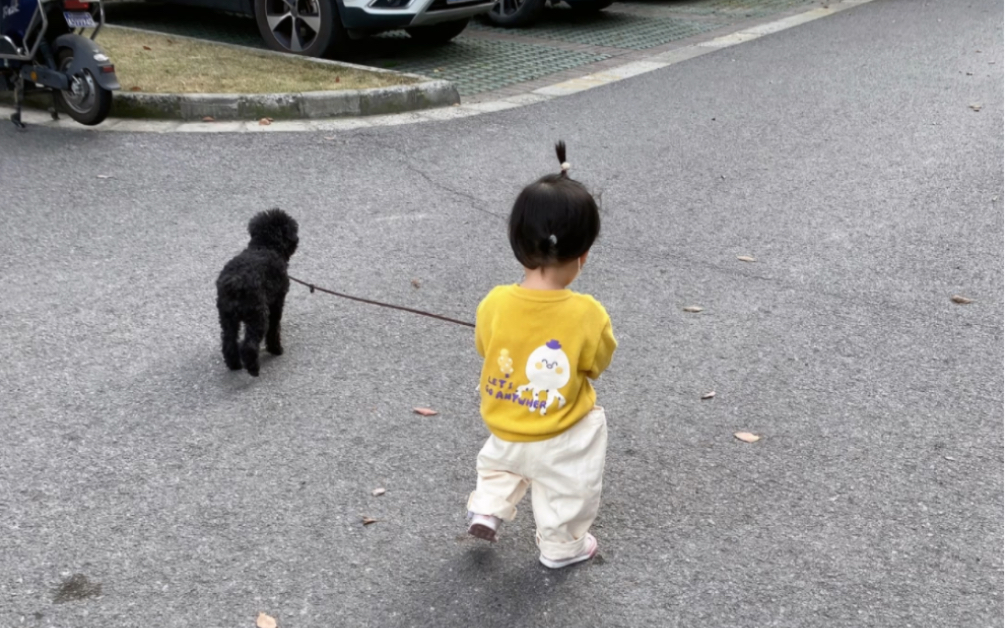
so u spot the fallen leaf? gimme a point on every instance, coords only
(367, 521)
(693, 309)
(745, 258)
(456, 104)
(976, 106)
(329, 137)
(415, 283)
(425, 411)
(265, 621)
(961, 300)
(265, 122)
(747, 437)
(104, 176)
(377, 492)
(209, 119)
(708, 395)
(136, 88)
(338, 79)
(949, 458)
(147, 48)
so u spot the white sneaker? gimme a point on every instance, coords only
(483, 526)
(590, 552)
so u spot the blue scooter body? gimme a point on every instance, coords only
(15, 16)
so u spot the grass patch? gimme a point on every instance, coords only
(162, 64)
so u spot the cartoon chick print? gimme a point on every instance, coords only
(547, 370)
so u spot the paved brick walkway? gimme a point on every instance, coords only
(488, 63)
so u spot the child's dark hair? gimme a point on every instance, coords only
(555, 219)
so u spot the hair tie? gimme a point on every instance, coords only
(553, 239)
(565, 166)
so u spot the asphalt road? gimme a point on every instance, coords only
(842, 154)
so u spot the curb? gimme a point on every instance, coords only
(304, 105)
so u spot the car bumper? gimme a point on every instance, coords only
(359, 15)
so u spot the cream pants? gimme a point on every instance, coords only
(565, 475)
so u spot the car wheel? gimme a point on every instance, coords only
(303, 27)
(514, 13)
(589, 6)
(437, 34)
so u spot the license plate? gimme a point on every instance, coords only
(79, 19)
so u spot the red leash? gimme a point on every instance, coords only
(379, 304)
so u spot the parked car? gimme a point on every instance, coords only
(515, 13)
(324, 28)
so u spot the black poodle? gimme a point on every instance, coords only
(252, 287)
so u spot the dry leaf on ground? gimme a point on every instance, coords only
(693, 309)
(209, 119)
(747, 437)
(147, 48)
(265, 122)
(425, 411)
(329, 137)
(976, 106)
(745, 258)
(708, 395)
(377, 492)
(136, 88)
(415, 283)
(961, 300)
(367, 521)
(265, 621)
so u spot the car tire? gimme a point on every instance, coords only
(318, 28)
(515, 13)
(586, 7)
(437, 34)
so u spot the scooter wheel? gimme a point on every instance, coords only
(86, 102)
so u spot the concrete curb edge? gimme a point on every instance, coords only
(305, 105)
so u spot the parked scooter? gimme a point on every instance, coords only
(42, 46)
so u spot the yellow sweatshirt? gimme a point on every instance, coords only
(541, 348)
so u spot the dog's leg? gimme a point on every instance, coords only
(272, 343)
(230, 328)
(254, 330)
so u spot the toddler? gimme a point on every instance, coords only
(542, 344)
